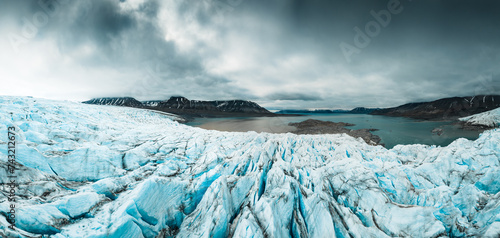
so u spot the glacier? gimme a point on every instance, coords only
(489, 119)
(104, 171)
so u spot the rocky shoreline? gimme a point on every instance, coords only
(443, 109)
(472, 127)
(314, 127)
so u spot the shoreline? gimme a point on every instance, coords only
(193, 116)
(472, 127)
(306, 127)
(438, 134)
(318, 127)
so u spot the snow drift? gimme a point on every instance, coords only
(101, 171)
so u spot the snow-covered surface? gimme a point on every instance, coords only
(101, 171)
(490, 118)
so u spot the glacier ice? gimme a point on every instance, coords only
(489, 118)
(102, 171)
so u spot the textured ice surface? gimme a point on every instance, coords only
(489, 118)
(101, 171)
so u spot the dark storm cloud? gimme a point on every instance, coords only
(125, 39)
(282, 53)
(290, 96)
(426, 51)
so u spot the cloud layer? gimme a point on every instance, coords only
(280, 53)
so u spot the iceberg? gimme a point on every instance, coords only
(103, 171)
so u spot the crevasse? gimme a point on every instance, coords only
(102, 171)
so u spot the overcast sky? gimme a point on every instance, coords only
(279, 53)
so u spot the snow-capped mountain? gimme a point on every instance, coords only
(488, 119)
(152, 103)
(98, 171)
(184, 106)
(240, 106)
(116, 101)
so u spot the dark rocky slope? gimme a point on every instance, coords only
(443, 109)
(234, 106)
(191, 108)
(115, 101)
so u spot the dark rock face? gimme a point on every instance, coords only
(191, 108)
(240, 106)
(437, 131)
(312, 126)
(362, 110)
(118, 101)
(443, 109)
(153, 103)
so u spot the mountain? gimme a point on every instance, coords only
(99, 171)
(232, 106)
(446, 108)
(362, 110)
(152, 103)
(358, 110)
(299, 111)
(116, 101)
(190, 108)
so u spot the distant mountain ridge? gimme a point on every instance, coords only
(118, 101)
(195, 108)
(240, 106)
(441, 109)
(357, 110)
(446, 108)
(152, 103)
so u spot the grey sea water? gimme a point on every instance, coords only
(392, 130)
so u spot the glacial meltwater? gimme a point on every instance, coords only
(392, 130)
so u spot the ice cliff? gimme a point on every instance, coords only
(102, 171)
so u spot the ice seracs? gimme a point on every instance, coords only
(101, 171)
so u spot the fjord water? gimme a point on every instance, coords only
(391, 130)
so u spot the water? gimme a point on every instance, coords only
(391, 130)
